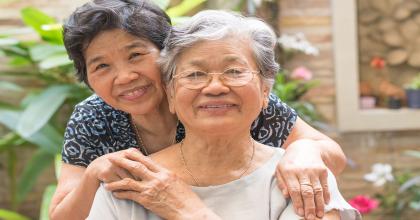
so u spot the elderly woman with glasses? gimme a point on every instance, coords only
(218, 69)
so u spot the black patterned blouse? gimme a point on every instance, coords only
(95, 128)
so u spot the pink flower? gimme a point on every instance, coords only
(364, 204)
(301, 73)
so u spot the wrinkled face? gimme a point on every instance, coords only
(122, 70)
(217, 107)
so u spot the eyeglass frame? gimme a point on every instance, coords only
(212, 75)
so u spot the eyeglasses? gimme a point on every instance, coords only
(196, 79)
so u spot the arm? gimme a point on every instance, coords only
(75, 191)
(302, 173)
(329, 150)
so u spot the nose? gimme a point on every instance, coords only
(215, 86)
(125, 75)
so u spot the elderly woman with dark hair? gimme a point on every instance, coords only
(218, 69)
(114, 45)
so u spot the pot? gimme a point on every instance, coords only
(413, 98)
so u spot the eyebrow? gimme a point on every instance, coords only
(228, 59)
(136, 44)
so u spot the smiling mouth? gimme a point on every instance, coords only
(135, 93)
(224, 106)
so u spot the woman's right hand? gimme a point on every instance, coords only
(156, 188)
(105, 171)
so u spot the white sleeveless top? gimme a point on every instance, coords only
(252, 197)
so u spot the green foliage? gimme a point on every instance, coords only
(35, 122)
(9, 215)
(415, 84)
(291, 91)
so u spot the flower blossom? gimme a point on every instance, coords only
(381, 173)
(297, 42)
(377, 63)
(364, 204)
(301, 73)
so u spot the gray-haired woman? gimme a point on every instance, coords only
(218, 69)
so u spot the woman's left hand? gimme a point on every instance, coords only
(157, 189)
(302, 175)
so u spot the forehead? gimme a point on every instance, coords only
(217, 52)
(115, 39)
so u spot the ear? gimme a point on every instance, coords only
(266, 94)
(169, 90)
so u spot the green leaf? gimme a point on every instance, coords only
(41, 108)
(163, 4)
(9, 86)
(46, 201)
(47, 138)
(10, 215)
(42, 51)
(9, 141)
(8, 41)
(19, 61)
(57, 60)
(57, 165)
(36, 19)
(39, 161)
(183, 8)
(16, 31)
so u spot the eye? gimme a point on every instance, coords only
(195, 75)
(235, 72)
(101, 66)
(134, 55)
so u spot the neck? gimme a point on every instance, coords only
(215, 160)
(157, 128)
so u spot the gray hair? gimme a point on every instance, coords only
(216, 25)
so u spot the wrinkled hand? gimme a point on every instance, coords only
(105, 171)
(155, 188)
(302, 175)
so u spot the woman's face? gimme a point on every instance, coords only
(217, 107)
(122, 70)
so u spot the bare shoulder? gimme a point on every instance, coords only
(167, 157)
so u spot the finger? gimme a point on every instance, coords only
(307, 196)
(281, 184)
(319, 197)
(126, 184)
(129, 195)
(294, 192)
(122, 174)
(135, 168)
(136, 155)
(324, 184)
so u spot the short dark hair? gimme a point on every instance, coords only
(140, 18)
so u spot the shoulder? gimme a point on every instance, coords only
(94, 129)
(274, 123)
(106, 207)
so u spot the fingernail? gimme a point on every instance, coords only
(320, 214)
(311, 217)
(300, 212)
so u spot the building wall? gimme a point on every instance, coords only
(313, 18)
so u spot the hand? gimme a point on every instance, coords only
(156, 188)
(302, 175)
(105, 171)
